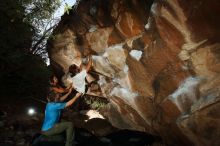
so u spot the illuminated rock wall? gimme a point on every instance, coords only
(157, 62)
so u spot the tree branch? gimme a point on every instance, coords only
(35, 46)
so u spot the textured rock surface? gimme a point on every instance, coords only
(157, 62)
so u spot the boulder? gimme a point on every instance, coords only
(156, 62)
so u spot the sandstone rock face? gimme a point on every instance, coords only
(157, 62)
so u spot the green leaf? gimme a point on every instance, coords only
(67, 8)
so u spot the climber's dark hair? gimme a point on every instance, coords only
(74, 69)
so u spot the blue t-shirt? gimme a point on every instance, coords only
(52, 114)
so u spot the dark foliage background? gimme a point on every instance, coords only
(22, 72)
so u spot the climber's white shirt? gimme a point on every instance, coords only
(79, 82)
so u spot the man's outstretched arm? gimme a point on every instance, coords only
(66, 95)
(59, 89)
(89, 64)
(71, 101)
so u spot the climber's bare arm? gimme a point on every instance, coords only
(60, 89)
(69, 87)
(89, 64)
(66, 95)
(71, 101)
